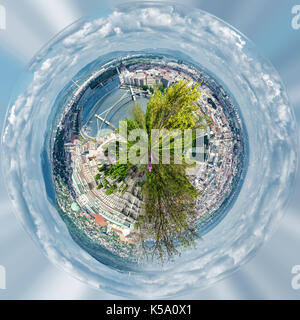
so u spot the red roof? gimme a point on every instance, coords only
(100, 220)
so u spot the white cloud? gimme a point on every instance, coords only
(206, 39)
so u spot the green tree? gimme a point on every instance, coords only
(175, 109)
(169, 197)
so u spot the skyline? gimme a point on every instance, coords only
(219, 165)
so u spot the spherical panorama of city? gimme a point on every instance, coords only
(148, 151)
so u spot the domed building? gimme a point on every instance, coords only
(75, 207)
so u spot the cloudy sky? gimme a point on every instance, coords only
(30, 25)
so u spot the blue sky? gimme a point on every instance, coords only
(30, 25)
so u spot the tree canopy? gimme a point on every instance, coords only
(168, 195)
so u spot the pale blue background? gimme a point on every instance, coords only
(31, 24)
